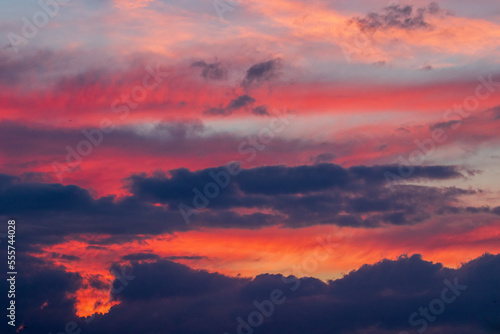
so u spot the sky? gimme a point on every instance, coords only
(249, 166)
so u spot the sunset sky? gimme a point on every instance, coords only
(170, 163)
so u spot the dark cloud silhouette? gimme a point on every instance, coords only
(24, 197)
(43, 296)
(399, 16)
(264, 71)
(212, 71)
(70, 257)
(71, 210)
(240, 102)
(380, 298)
(235, 104)
(445, 125)
(273, 180)
(96, 282)
(357, 196)
(95, 247)
(303, 195)
(182, 281)
(300, 179)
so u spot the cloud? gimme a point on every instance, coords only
(323, 157)
(400, 17)
(445, 125)
(25, 197)
(376, 298)
(380, 297)
(304, 195)
(71, 209)
(140, 257)
(264, 71)
(275, 195)
(45, 295)
(96, 282)
(272, 180)
(182, 281)
(260, 111)
(240, 102)
(70, 257)
(235, 104)
(212, 71)
(217, 111)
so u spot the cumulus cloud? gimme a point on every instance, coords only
(378, 299)
(45, 294)
(305, 195)
(277, 196)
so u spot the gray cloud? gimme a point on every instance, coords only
(398, 16)
(264, 71)
(212, 71)
(233, 105)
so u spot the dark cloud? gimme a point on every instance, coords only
(97, 282)
(182, 281)
(304, 195)
(235, 104)
(44, 296)
(212, 71)
(264, 71)
(220, 111)
(95, 247)
(376, 173)
(494, 113)
(70, 257)
(273, 180)
(477, 210)
(399, 16)
(445, 125)
(240, 102)
(24, 197)
(279, 196)
(140, 257)
(377, 299)
(260, 111)
(70, 210)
